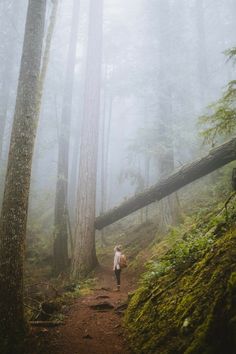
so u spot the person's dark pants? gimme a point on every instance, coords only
(117, 273)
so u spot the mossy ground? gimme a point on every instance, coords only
(189, 310)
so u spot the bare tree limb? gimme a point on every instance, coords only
(188, 173)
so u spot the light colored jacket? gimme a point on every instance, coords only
(117, 260)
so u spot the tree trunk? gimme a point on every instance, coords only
(169, 211)
(107, 153)
(168, 207)
(147, 178)
(103, 164)
(15, 202)
(85, 254)
(105, 142)
(43, 74)
(61, 202)
(73, 180)
(216, 158)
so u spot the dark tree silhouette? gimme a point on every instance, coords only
(15, 202)
(61, 203)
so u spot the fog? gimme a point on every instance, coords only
(163, 64)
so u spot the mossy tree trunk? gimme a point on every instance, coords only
(85, 254)
(15, 202)
(61, 202)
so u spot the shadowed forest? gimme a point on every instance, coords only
(117, 177)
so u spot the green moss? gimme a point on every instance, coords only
(192, 311)
(232, 283)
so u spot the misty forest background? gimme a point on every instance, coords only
(158, 77)
(129, 91)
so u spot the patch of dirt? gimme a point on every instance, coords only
(94, 322)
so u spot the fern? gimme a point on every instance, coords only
(221, 119)
(231, 54)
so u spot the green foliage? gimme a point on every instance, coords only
(55, 301)
(232, 283)
(221, 119)
(154, 270)
(231, 54)
(188, 309)
(187, 244)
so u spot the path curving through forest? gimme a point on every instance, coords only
(94, 322)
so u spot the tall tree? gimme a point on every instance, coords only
(61, 202)
(15, 202)
(85, 254)
(168, 207)
(105, 138)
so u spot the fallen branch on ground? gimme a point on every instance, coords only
(46, 284)
(46, 323)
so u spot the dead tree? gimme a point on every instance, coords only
(215, 159)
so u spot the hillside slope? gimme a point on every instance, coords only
(189, 308)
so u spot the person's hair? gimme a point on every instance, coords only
(118, 248)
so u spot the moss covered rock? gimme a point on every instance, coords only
(188, 312)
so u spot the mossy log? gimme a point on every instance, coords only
(188, 173)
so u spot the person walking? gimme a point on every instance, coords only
(116, 266)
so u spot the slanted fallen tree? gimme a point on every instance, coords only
(216, 158)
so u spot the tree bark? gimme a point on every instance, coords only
(85, 254)
(15, 202)
(105, 139)
(103, 165)
(107, 150)
(61, 202)
(216, 158)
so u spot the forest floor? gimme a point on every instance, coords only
(93, 324)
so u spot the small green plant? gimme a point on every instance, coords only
(187, 244)
(155, 270)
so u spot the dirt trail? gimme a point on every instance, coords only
(91, 331)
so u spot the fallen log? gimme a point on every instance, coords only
(188, 173)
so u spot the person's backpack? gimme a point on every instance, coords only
(123, 261)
